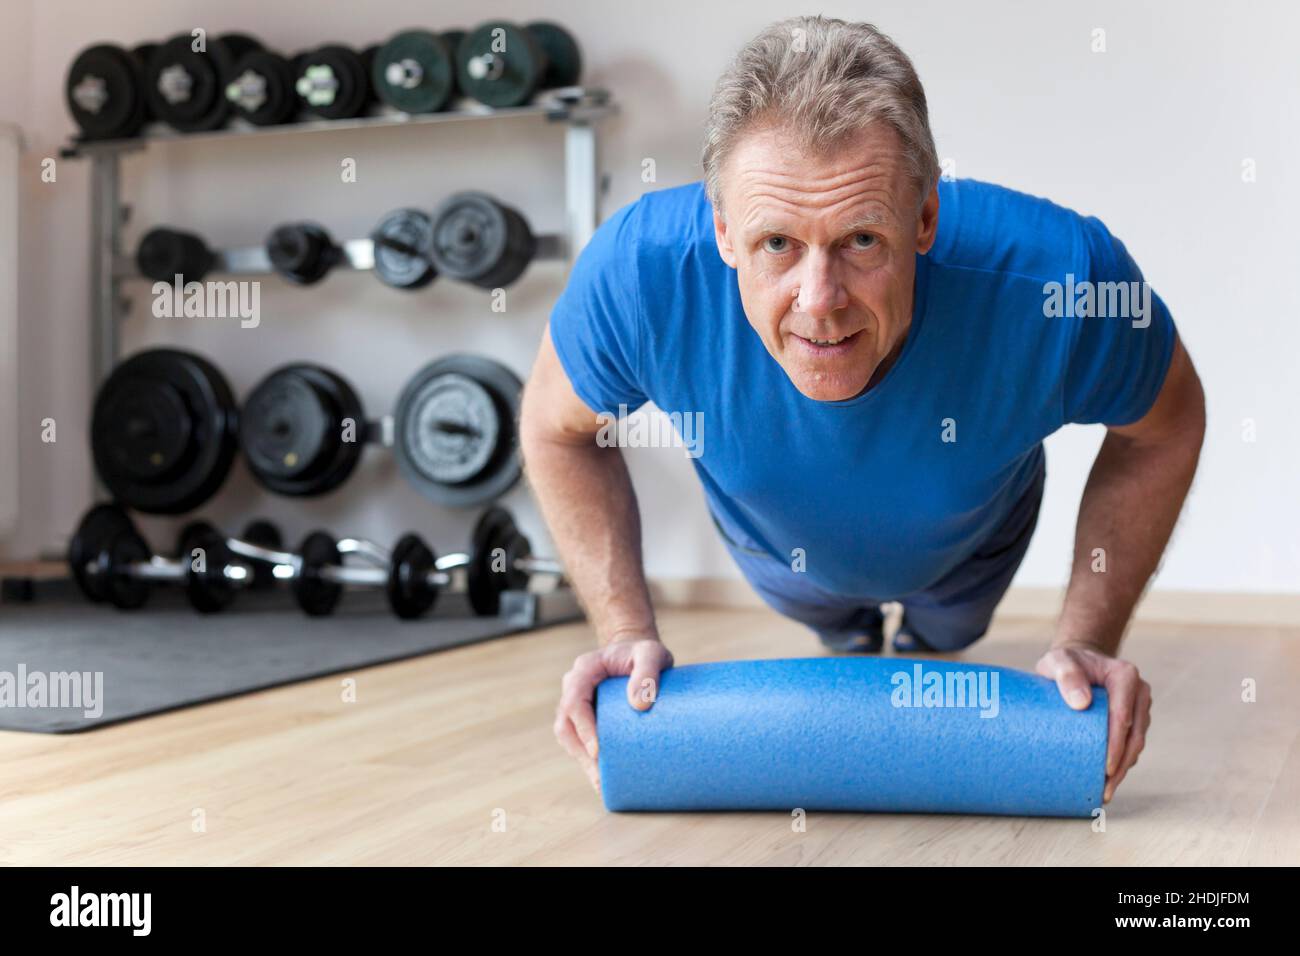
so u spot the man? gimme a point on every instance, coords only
(877, 355)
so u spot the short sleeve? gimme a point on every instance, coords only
(596, 324)
(1122, 341)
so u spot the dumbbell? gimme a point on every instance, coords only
(302, 252)
(415, 71)
(302, 430)
(333, 81)
(186, 88)
(500, 560)
(258, 533)
(475, 237)
(471, 237)
(502, 64)
(411, 575)
(105, 90)
(163, 254)
(111, 562)
(261, 88)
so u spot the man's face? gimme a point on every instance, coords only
(824, 247)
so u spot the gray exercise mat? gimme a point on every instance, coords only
(165, 656)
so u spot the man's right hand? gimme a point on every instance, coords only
(639, 659)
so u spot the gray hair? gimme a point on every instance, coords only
(824, 80)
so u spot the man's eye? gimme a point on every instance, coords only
(863, 240)
(776, 243)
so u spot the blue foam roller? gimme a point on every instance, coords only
(859, 734)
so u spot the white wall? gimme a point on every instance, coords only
(1150, 135)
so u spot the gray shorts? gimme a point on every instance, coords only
(948, 615)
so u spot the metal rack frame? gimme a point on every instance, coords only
(579, 108)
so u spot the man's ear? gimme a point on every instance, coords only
(928, 222)
(720, 234)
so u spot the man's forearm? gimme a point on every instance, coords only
(1130, 505)
(589, 505)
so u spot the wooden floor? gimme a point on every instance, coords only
(437, 750)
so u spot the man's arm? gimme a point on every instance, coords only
(1130, 505)
(588, 503)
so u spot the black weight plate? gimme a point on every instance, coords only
(264, 534)
(96, 531)
(316, 596)
(500, 64)
(481, 241)
(292, 430)
(149, 428)
(105, 92)
(451, 445)
(163, 431)
(409, 592)
(415, 72)
(302, 252)
(122, 591)
(186, 88)
(403, 245)
(209, 590)
(190, 537)
(563, 58)
(163, 254)
(494, 530)
(261, 88)
(333, 82)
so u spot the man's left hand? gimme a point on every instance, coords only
(1076, 668)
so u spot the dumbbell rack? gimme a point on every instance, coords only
(579, 108)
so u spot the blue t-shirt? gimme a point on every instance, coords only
(878, 501)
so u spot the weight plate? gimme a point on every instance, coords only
(453, 39)
(97, 529)
(123, 591)
(261, 88)
(209, 590)
(302, 252)
(481, 241)
(163, 431)
(415, 72)
(264, 534)
(403, 244)
(164, 254)
(333, 82)
(563, 58)
(105, 92)
(485, 584)
(316, 596)
(455, 435)
(292, 430)
(190, 537)
(500, 64)
(409, 592)
(186, 89)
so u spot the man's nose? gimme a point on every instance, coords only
(821, 291)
